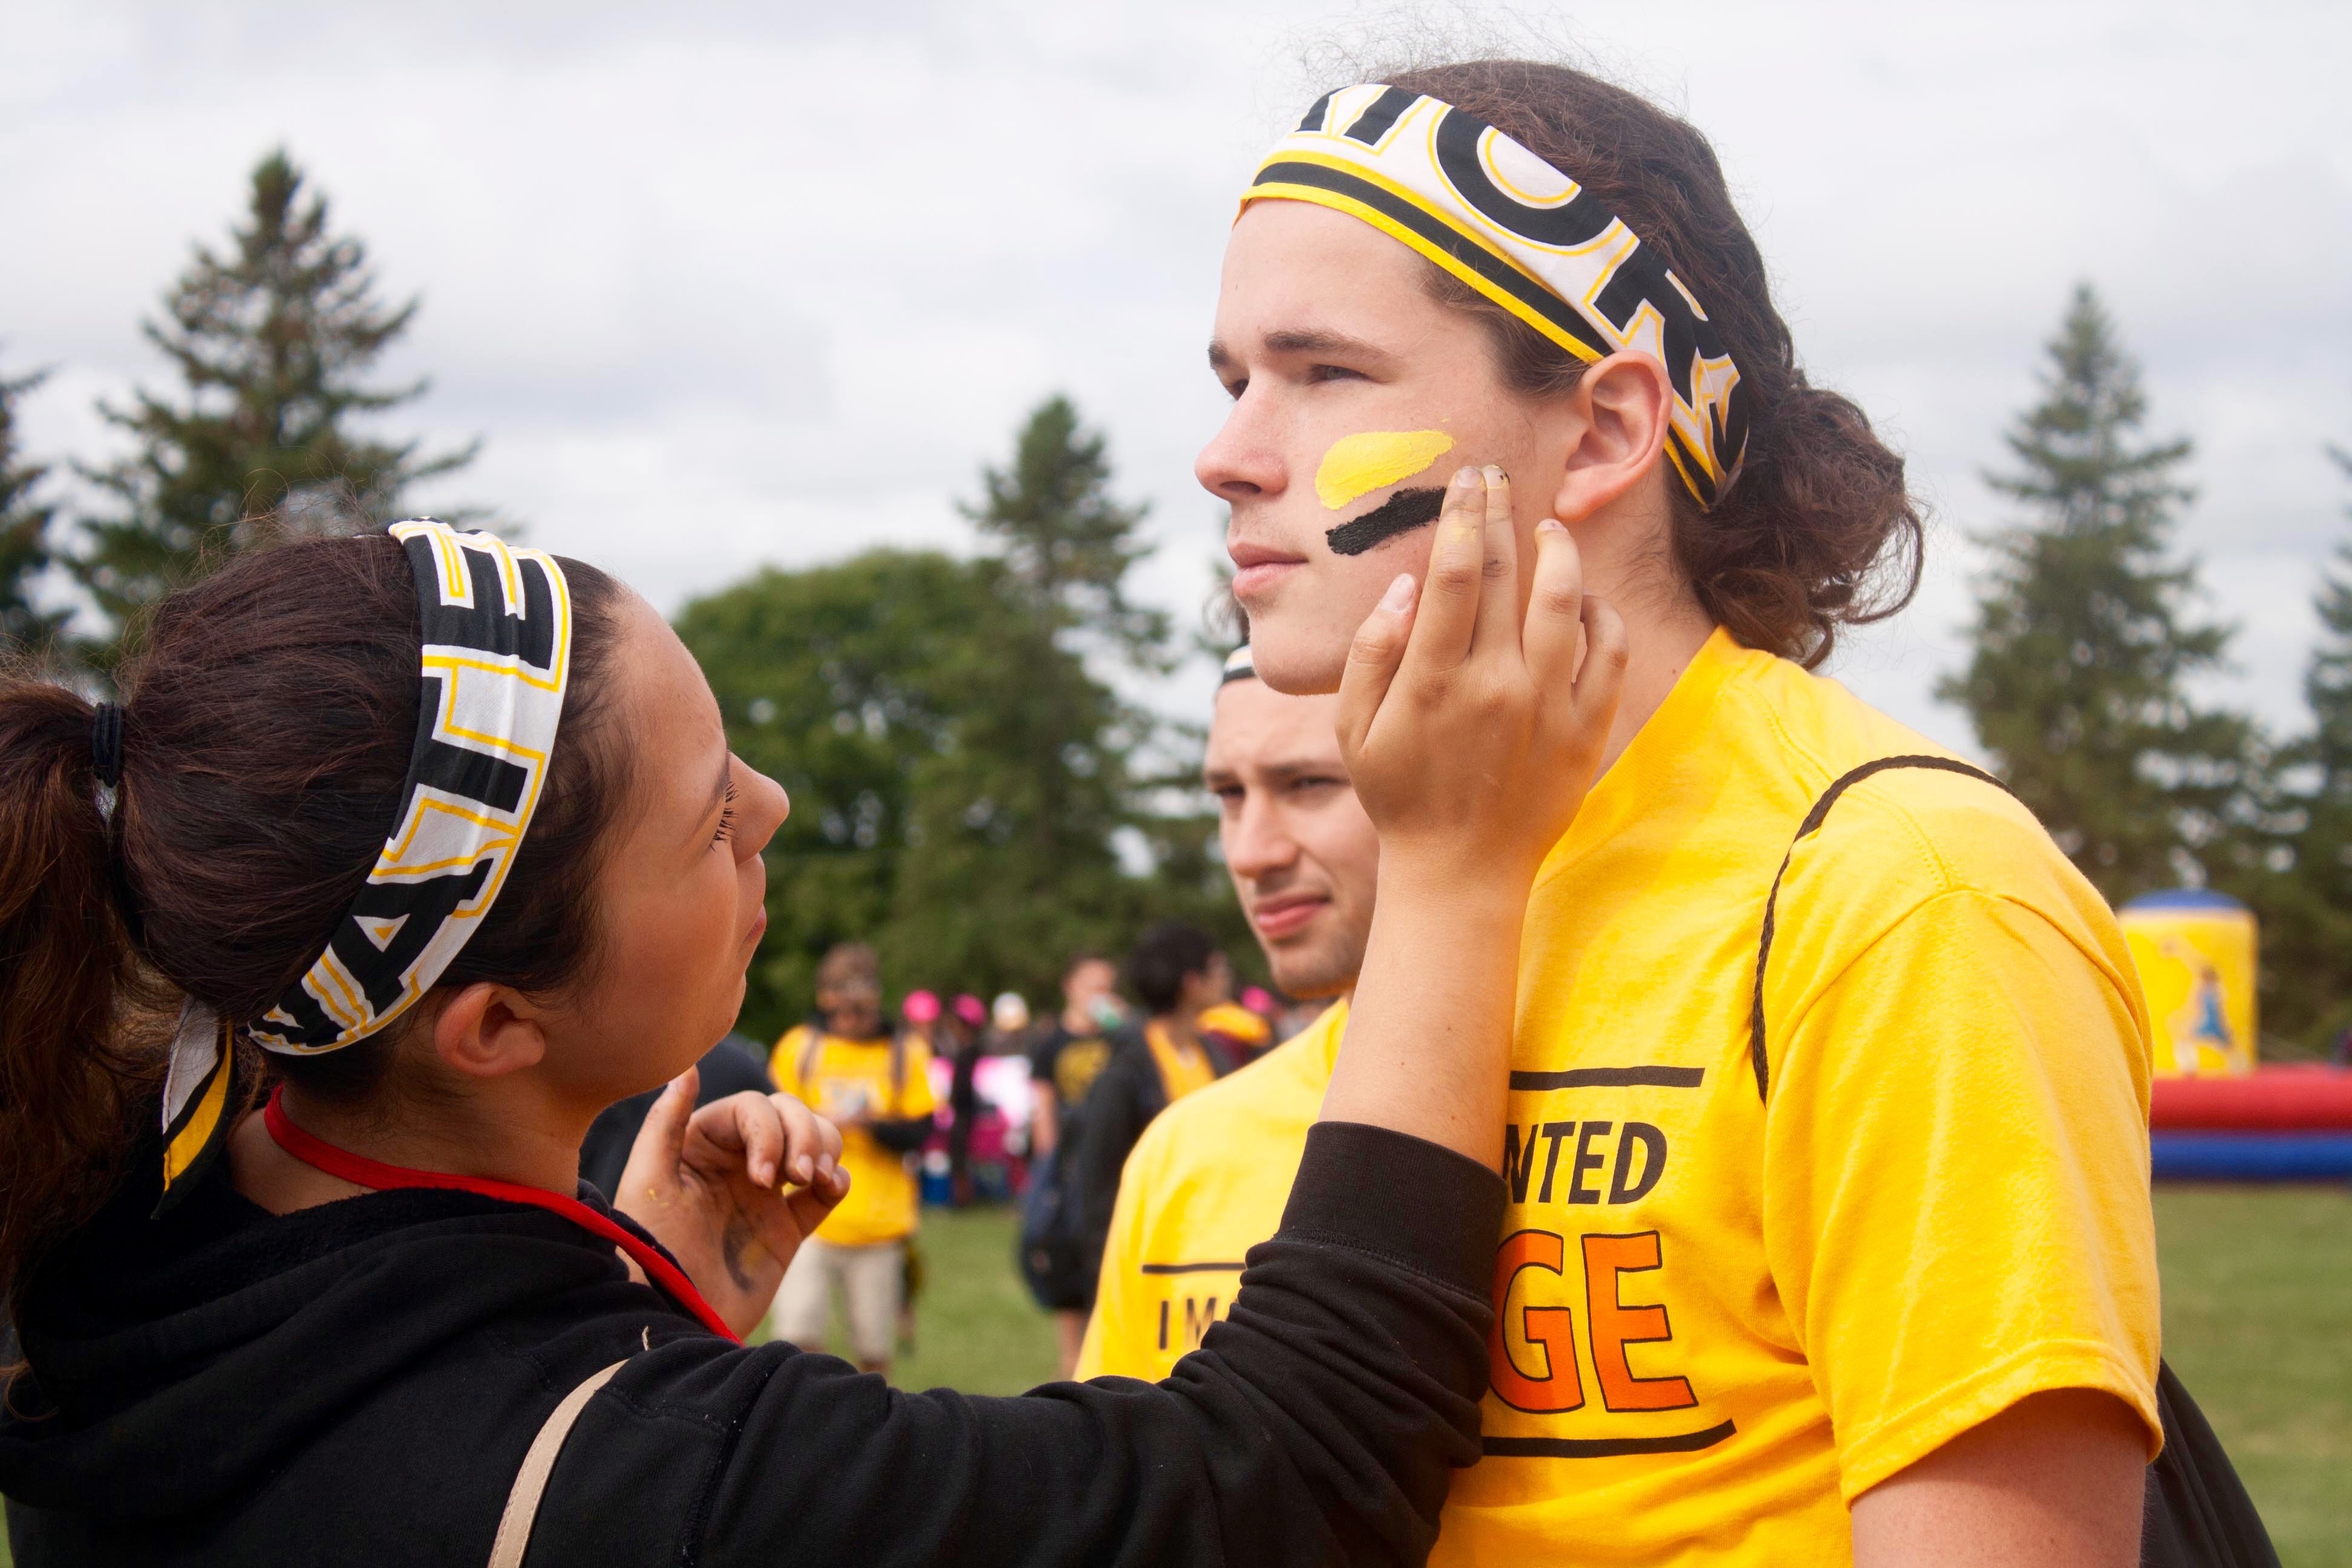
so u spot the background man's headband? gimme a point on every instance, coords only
(494, 635)
(1239, 666)
(1527, 236)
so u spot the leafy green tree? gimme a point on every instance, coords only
(1068, 542)
(963, 780)
(1084, 764)
(273, 341)
(2085, 639)
(25, 546)
(895, 696)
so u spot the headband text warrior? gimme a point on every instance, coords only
(1527, 236)
(495, 651)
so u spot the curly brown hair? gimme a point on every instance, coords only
(1819, 531)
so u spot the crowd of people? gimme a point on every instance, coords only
(1724, 1139)
(1098, 1071)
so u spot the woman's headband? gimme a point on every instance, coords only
(494, 652)
(1525, 236)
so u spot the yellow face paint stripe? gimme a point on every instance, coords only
(1360, 464)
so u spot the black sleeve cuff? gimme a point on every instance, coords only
(903, 1136)
(1401, 1197)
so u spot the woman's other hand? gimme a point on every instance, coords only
(1471, 731)
(732, 1190)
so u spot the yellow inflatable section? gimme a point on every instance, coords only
(2196, 954)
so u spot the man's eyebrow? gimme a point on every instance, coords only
(1299, 340)
(1283, 772)
(1304, 767)
(1309, 340)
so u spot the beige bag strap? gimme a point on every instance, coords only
(530, 1481)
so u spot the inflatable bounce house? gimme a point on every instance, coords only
(2217, 1114)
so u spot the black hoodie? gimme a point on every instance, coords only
(357, 1383)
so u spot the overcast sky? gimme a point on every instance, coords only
(727, 285)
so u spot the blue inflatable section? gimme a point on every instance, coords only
(2252, 1156)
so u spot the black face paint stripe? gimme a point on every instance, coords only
(1400, 513)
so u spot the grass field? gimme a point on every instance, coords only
(976, 1329)
(2257, 1321)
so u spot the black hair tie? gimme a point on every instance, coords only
(105, 744)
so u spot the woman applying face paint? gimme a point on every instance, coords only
(435, 849)
(1829, 1236)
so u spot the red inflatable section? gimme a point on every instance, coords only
(2271, 1100)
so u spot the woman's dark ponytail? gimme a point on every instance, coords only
(66, 972)
(1819, 532)
(266, 731)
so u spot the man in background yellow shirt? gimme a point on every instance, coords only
(1736, 1292)
(878, 1091)
(1209, 1177)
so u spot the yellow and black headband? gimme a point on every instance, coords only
(494, 624)
(1527, 236)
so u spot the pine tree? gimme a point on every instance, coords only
(1069, 544)
(2327, 687)
(25, 550)
(273, 341)
(2085, 639)
(2307, 907)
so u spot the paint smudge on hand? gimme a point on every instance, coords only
(1371, 460)
(1400, 513)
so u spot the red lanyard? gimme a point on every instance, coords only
(365, 1173)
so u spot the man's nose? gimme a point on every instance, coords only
(1243, 458)
(1258, 844)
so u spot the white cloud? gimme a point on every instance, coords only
(731, 284)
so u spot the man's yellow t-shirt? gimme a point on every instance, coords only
(1206, 1182)
(851, 1077)
(1724, 1313)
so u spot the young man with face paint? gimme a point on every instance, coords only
(1833, 1250)
(1205, 1182)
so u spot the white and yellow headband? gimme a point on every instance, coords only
(494, 630)
(1527, 236)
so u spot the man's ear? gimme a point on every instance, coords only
(487, 1031)
(1620, 409)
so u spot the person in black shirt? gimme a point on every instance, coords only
(1074, 1048)
(1072, 1053)
(1178, 973)
(962, 1041)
